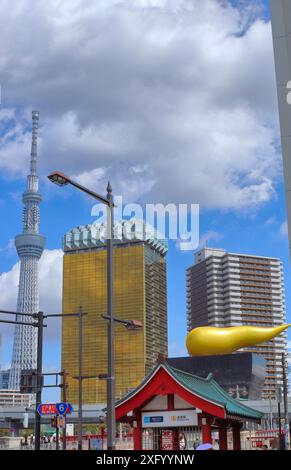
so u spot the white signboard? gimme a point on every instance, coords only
(70, 429)
(169, 419)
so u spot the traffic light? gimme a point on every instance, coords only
(54, 422)
(28, 381)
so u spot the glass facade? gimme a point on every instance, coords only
(139, 293)
(4, 379)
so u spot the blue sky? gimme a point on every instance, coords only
(150, 123)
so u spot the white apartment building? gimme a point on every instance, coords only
(13, 398)
(230, 289)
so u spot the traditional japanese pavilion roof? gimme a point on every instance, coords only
(205, 388)
(209, 389)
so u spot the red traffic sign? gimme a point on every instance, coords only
(54, 409)
(47, 409)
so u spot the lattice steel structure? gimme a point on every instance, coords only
(29, 247)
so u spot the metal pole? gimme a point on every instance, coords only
(57, 433)
(80, 411)
(65, 401)
(111, 378)
(285, 396)
(280, 427)
(271, 412)
(250, 435)
(38, 380)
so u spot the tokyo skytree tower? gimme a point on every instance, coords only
(29, 247)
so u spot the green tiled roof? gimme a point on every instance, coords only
(210, 390)
(205, 388)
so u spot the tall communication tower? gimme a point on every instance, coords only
(29, 247)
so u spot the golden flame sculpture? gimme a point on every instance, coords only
(208, 340)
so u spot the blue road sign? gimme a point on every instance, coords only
(61, 408)
(69, 409)
(64, 408)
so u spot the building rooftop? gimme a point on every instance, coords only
(206, 388)
(94, 235)
(203, 253)
(209, 389)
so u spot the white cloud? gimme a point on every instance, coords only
(8, 247)
(183, 90)
(270, 221)
(284, 229)
(205, 239)
(208, 236)
(50, 288)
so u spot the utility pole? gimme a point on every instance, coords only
(80, 410)
(64, 374)
(57, 432)
(285, 398)
(38, 379)
(110, 296)
(80, 315)
(279, 398)
(271, 412)
(62, 180)
(280, 426)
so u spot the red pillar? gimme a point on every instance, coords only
(236, 436)
(171, 405)
(206, 432)
(137, 432)
(222, 432)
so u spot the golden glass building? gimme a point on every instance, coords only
(139, 293)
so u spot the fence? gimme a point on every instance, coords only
(99, 442)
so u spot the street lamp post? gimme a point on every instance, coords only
(80, 408)
(111, 377)
(62, 180)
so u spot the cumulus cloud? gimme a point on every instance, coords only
(50, 291)
(183, 90)
(284, 229)
(211, 235)
(8, 247)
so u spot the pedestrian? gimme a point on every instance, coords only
(196, 444)
(206, 446)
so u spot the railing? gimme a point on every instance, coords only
(264, 436)
(89, 442)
